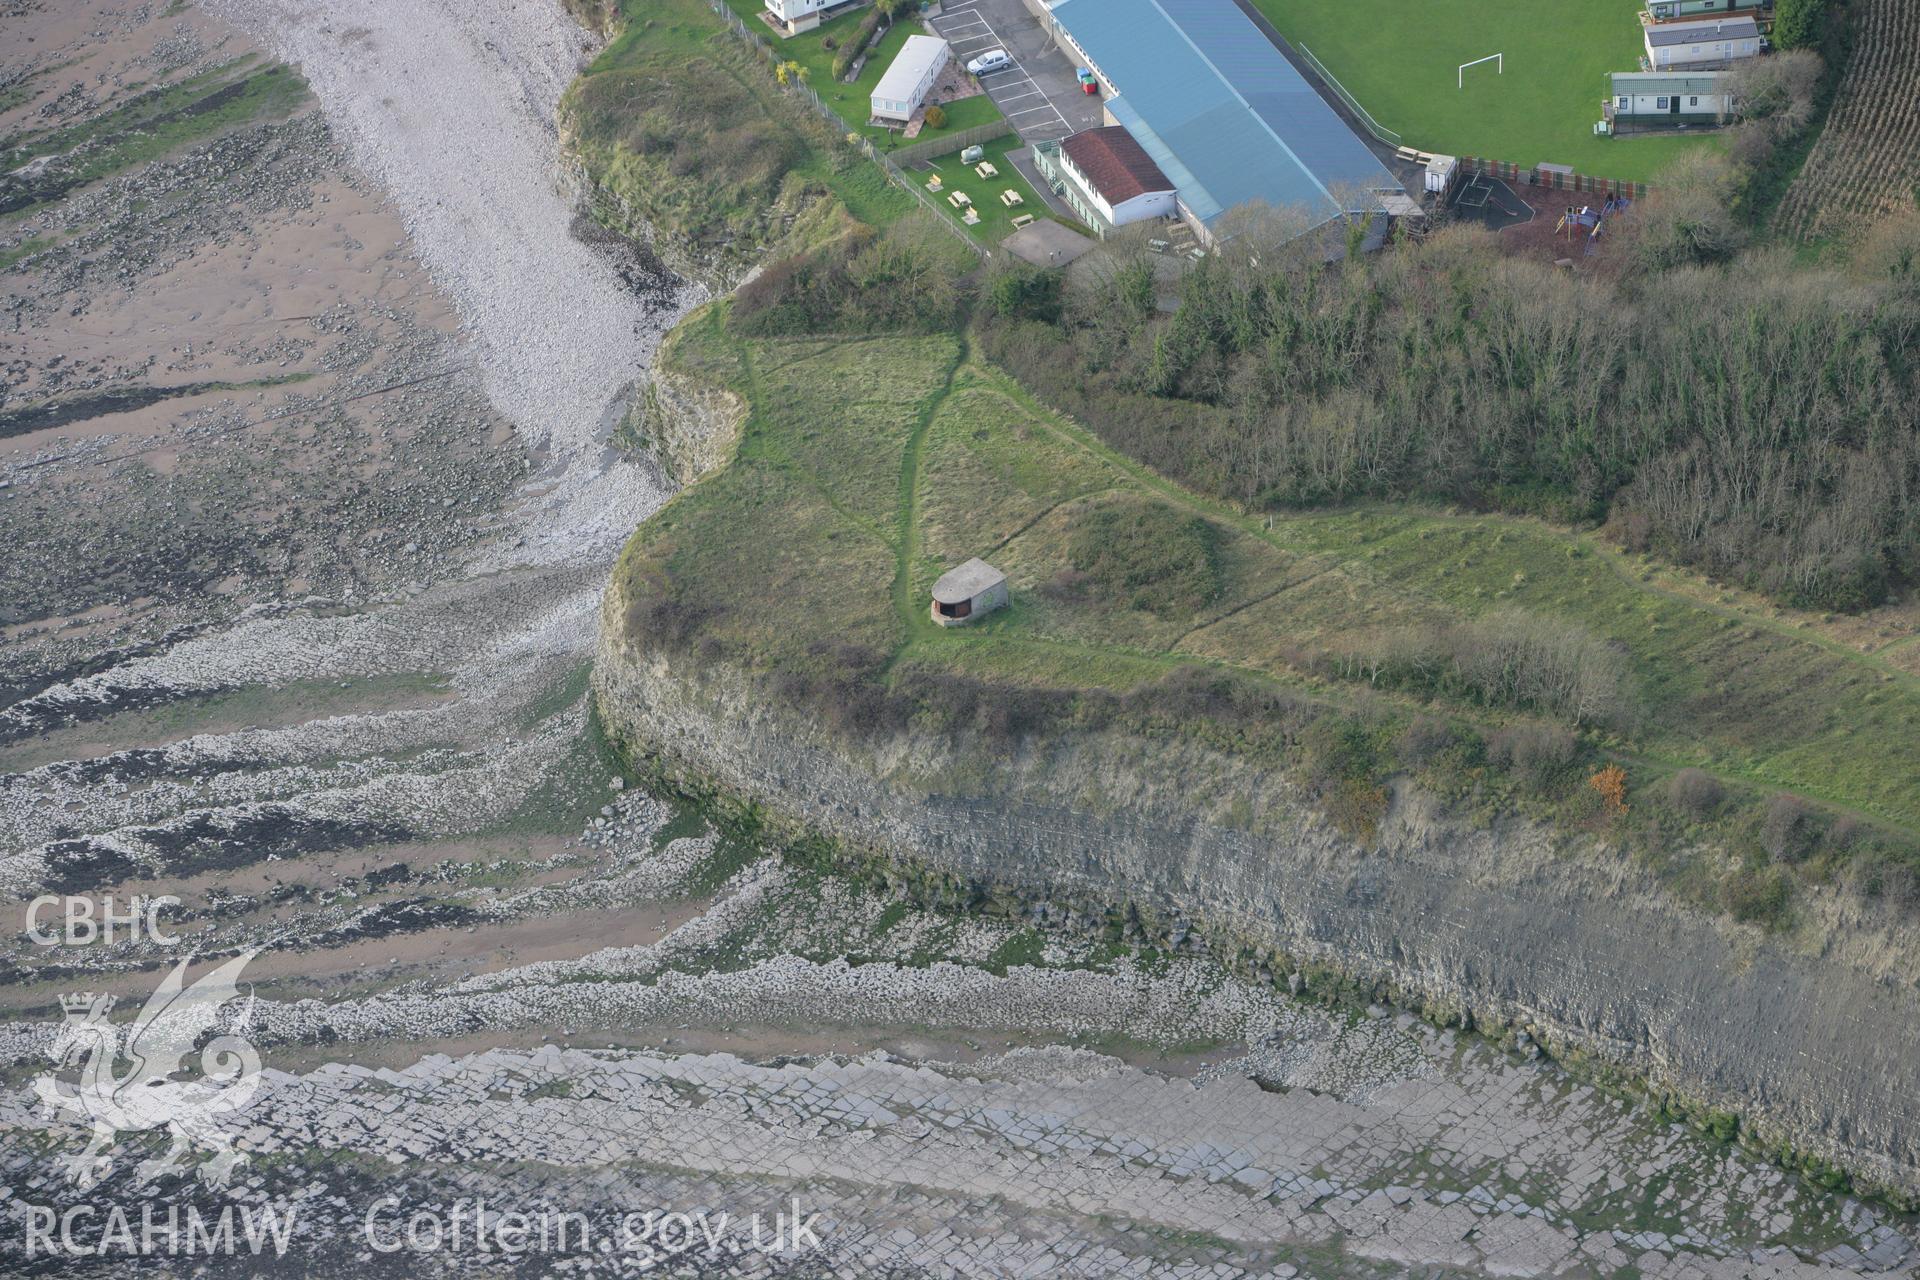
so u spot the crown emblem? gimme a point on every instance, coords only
(81, 1006)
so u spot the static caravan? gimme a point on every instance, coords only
(904, 87)
(1664, 97)
(1681, 10)
(1715, 42)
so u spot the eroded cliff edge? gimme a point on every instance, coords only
(1809, 1037)
(1495, 927)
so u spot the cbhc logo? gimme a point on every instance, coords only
(85, 922)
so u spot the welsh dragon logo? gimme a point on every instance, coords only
(147, 1096)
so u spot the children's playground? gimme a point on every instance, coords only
(1583, 225)
(1491, 202)
(1541, 221)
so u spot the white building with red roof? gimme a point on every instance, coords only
(1111, 180)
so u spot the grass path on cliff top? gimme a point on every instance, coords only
(868, 466)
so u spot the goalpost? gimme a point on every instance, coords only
(1497, 59)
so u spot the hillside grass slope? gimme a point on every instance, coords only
(1344, 642)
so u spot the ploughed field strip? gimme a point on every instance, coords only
(1866, 162)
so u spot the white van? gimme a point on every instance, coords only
(990, 61)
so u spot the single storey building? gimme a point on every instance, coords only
(795, 16)
(903, 89)
(1109, 179)
(1714, 42)
(967, 593)
(1667, 97)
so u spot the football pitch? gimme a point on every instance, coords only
(1400, 59)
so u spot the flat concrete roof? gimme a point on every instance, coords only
(967, 581)
(1046, 243)
(1667, 82)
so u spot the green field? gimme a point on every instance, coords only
(883, 461)
(1400, 58)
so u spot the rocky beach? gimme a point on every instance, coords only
(312, 474)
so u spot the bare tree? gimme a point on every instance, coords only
(1777, 89)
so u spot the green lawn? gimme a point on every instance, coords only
(996, 219)
(1400, 58)
(852, 101)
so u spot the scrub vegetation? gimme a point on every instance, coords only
(1749, 418)
(688, 136)
(1506, 664)
(1542, 545)
(684, 133)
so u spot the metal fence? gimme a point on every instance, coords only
(888, 165)
(1553, 179)
(1365, 117)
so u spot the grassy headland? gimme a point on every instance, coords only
(1344, 643)
(1301, 585)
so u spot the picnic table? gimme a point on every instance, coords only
(959, 199)
(1022, 220)
(986, 170)
(1010, 198)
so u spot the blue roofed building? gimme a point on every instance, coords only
(1220, 110)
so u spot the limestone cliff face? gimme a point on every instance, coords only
(688, 424)
(1509, 928)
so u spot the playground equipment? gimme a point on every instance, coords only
(1588, 220)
